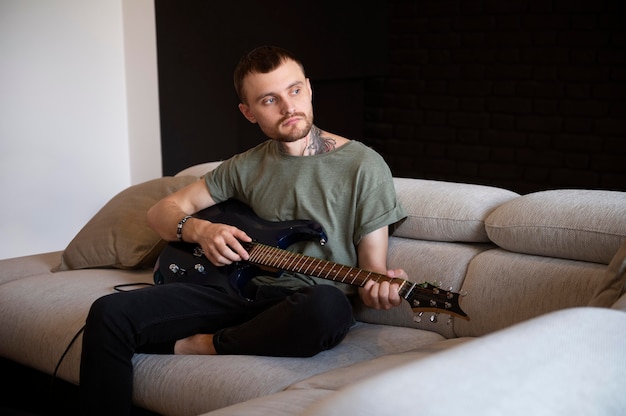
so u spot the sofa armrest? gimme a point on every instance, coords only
(563, 363)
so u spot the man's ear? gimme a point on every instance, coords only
(245, 110)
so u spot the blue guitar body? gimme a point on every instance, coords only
(185, 262)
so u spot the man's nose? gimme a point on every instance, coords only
(288, 106)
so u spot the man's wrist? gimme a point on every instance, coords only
(179, 227)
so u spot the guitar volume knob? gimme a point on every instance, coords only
(199, 268)
(174, 268)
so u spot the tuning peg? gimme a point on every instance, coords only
(418, 317)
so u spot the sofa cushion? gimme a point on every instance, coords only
(587, 225)
(447, 211)
(193, 384)
(428, 261)
(199, 169)
(567, 363)
(118, 235)
(40, 315)
(25, 266)
(608, 294)
(504, 288)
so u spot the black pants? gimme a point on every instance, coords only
(151, 320)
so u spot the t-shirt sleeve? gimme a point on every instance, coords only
(221, 181)
(378, 205)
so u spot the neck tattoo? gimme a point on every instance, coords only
(316, 143)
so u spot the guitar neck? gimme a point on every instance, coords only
(421, 297)
(264, 255)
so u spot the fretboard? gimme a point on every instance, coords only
(264, 255)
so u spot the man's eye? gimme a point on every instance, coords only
(296, 91)
(269, 100)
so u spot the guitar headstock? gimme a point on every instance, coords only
(427, 297)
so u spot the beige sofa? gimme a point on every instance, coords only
(542, 276)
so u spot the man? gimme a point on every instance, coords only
(301, 172)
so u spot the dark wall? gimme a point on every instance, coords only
(524, 94)
(198, 45)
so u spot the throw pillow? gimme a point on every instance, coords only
(118, 235)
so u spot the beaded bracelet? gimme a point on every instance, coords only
(179, 228)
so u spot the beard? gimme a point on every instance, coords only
(295, 132)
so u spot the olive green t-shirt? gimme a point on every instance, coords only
(349, 191)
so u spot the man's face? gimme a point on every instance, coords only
(280, 102)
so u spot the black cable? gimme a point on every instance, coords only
(56, 369)
(117, 288)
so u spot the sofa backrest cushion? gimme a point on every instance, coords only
(447, 211)
(586, 225)
(615, 286)
(118, 235)
(199, 170)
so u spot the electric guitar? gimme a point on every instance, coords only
(185, 262)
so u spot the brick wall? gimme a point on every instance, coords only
(524, 94)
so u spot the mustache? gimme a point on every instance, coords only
(288, 116)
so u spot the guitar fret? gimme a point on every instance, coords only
(343, 274)
(272, 259)
(287, 261)
(329, 271)
(300, 264)
(366, 278)
(319, 266)
(283, 260)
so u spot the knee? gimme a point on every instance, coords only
(104, 309)
(328, 316)
(328, 303)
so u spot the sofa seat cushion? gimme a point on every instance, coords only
(40, 314)
(564, 363)
(284, 403)
(190, 385)
(576, 224)
(304, 394)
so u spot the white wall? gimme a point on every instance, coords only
(78, 114)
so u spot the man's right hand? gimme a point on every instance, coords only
(220, 242)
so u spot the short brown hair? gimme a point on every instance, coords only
(261, 60)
